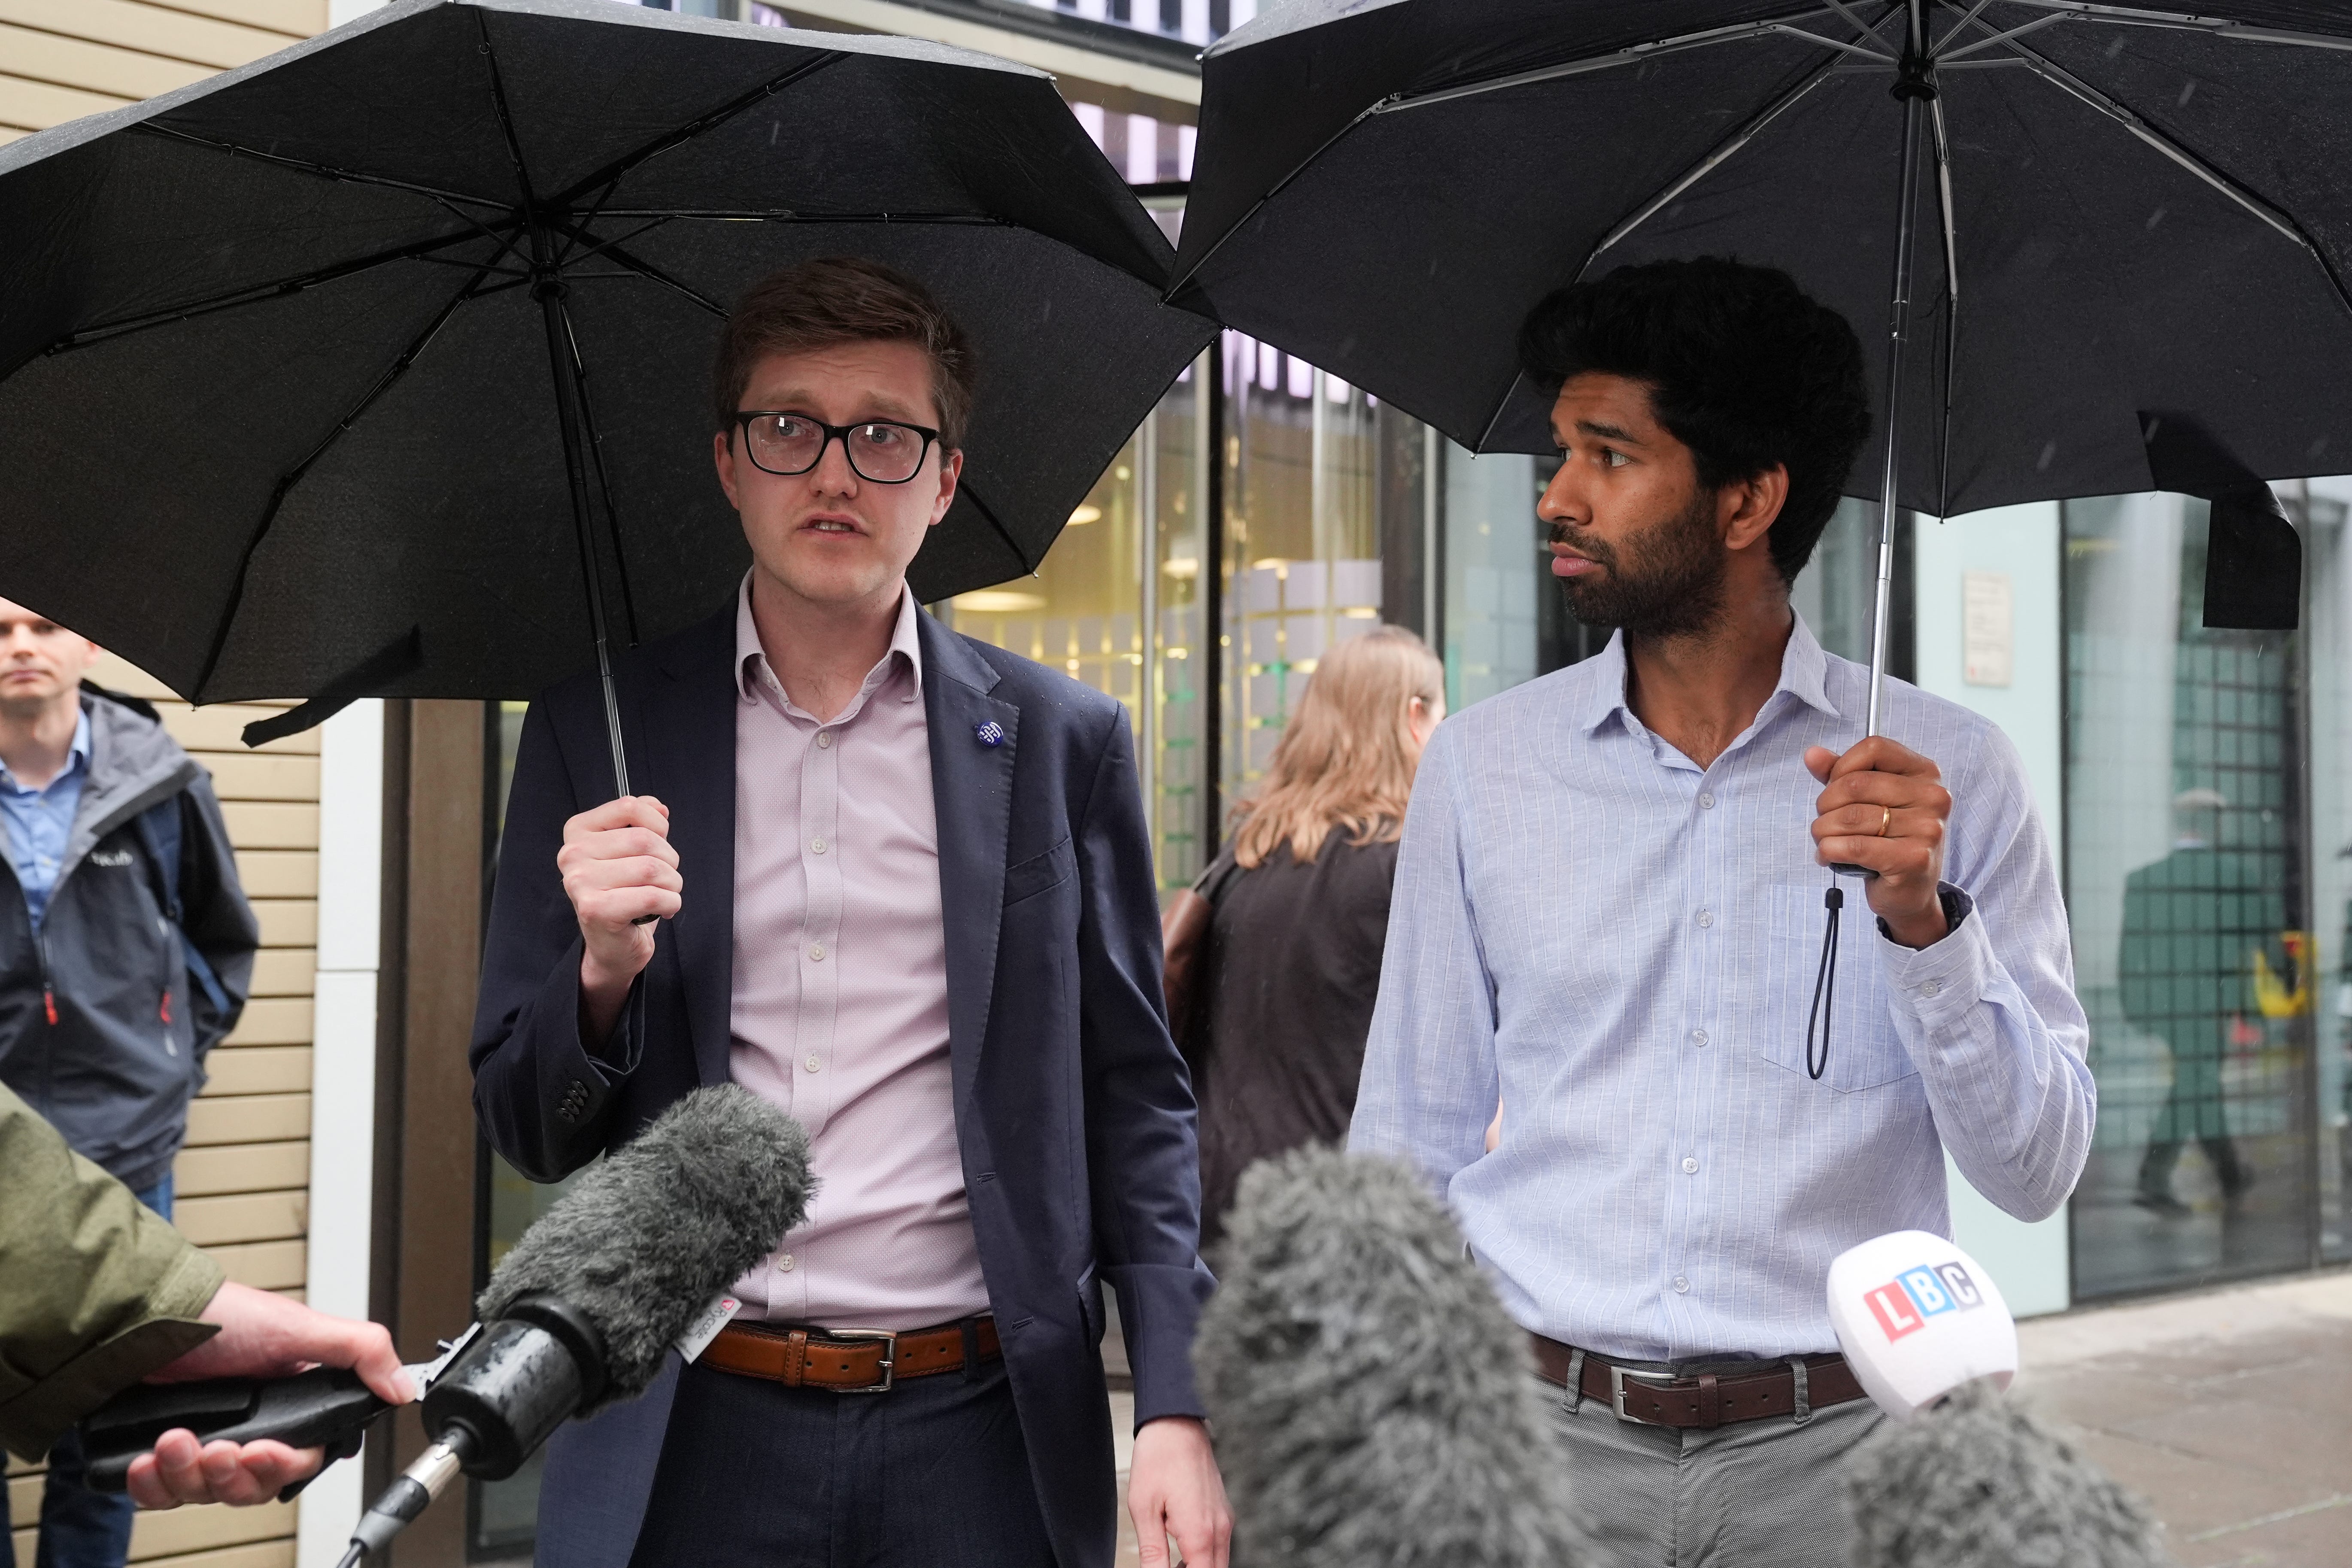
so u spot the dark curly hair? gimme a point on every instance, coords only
(1743, 367)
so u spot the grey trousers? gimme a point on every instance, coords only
(1753, 1494)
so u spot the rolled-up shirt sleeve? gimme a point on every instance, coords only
(1989, 1013)
(1429, 1086)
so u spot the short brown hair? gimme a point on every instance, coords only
(844, 299)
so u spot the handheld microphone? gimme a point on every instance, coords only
(1919, 1318)
(1374, 1408)
(580, 1315)
(585, 1310)
(1963, 1475)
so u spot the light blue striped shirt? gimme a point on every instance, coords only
(1622, 947)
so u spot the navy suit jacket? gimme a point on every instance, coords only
(1073, 1111)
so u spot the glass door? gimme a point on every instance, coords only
(2186, 849)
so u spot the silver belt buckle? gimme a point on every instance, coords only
(1617, 1376)
(888, 1339)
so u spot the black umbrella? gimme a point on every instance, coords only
(2113, 240)
(382, 364)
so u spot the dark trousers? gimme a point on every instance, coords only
(931, 1473)
(80, 1528)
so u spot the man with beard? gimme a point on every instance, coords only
(1609, 914)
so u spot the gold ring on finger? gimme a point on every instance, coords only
(1886, 816)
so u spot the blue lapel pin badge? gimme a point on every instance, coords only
(991, 734)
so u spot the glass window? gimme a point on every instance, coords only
(1088, 608)
(1302, 558)
(2194, 955)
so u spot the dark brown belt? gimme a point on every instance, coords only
(1705, 1402)
(849, 1360)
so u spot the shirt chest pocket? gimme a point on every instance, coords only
(1863, 1051)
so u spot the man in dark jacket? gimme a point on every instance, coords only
(126, 951)
(905, 891)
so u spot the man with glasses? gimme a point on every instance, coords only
(903, 890)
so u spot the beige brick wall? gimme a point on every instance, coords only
(242, 1180)
(60, 59)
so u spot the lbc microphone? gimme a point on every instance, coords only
(1374, 1407)
(1963, 1477)
(583, 1310)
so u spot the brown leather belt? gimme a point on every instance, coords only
(849, 1360)
(1705, 1402)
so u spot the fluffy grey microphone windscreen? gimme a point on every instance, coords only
(649, 1236)
(1979, 1481)
(1374, 1407)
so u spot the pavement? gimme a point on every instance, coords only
(2230, 1411)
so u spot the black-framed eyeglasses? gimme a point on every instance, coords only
(881, 451)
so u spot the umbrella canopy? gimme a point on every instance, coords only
(2120, 212)
(384, 363)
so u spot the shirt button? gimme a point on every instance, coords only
(1931, 988)
(824, 740)
(817, 846)
(785, 1263)
(816, 953)
(1682, 1285)
(1698, 1037)
(812, 1064)
(1706, 918)
(1690, 1166)
(1706, 800)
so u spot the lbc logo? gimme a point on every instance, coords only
(1905, 1303)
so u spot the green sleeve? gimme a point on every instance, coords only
(96, 1290)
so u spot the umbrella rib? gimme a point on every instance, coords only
(293, 476)
(577, 233)
(611, 174)
(2019, 31)
(322, 171)
(2182, 21)
(2066, 82)
(1867, 29)
(1002, 532)
(1936, 51)
(789, 215)
(1630, 54)
(499, 104)
(252, 293)
(1712, 161)
(653, 274)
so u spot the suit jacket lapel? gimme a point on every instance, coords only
(688, 721)
(972, 795)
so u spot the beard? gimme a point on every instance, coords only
(1667, 583)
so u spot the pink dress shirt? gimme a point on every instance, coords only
(840, 1004)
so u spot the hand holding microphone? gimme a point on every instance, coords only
(581, 1314)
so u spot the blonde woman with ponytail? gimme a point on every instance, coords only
(1283, 1000)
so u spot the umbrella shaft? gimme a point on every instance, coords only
(562, 364)
(1898, 327)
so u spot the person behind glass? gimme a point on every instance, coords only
(1609, 914)
(2193, 923)
(1283, 991)
(905, 891)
